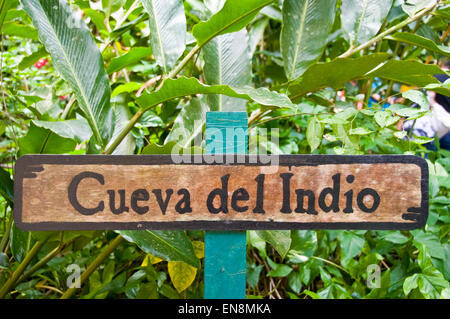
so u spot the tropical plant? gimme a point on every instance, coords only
(120, 76)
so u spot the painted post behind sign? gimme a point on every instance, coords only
(225, 252)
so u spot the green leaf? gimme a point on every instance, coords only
(362, 19)
(359, 131)
(167, 30)
(133, 56)
(168, 245)
(21, 243)
(126, 88)
(133, 283)
(188, 123)
(30, 60)
(280, 270)
(395, 237)
(417, 97)
(6, 186)
(77, 130)
(334, 74)
(253, 274)
(168, 148)
(77, 59)
(351, 244)
(419, 41)
(16, 29)
(234, 16)
(111, 6)
(431, 287)
(181, 274)
(183, 86)
(409, 112)
(273, 12)
(122, 116)
(306, 26)
(431, 242)
(148, 290)
(98, 19)
(385, 118)
(304, 242)
(422, 140)
(5, 5)
(411, 7)
(410, 72)
(4, 260)
(256, 33)
(42, 141)
(314, 133)
(227, 61)
(445, 294)
(278, 239)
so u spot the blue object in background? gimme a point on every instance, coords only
(375, 85)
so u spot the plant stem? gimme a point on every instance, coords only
(68, 108)
(43, 261)
(124, 132)
(392, 29)
(183, 62)
(23, 265)
(100, 258)
(7, 231)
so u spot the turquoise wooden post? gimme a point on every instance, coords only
(225, 252)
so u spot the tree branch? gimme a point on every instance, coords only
(392, 29)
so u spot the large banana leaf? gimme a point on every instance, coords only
(362, 19)
(167, 30)
(409, 72)
(234, 15)
(123, 115)
(420, 41)
(306, 26)
(188, 123)
(183, 86)
(77, 130)
(77, 59)
(5, 5)
(256, 33)
(41, 140)
(227, 61)
(334, 74)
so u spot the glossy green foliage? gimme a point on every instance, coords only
(306, 27)
(280, 62)
(361, 20)
(168, 30)
(77, 59)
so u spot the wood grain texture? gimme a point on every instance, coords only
(42, 185)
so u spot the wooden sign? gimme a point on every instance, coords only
(62, 192)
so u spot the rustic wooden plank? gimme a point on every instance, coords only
(43, 196)
(225, 252)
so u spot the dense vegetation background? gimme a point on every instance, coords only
(120, 76)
